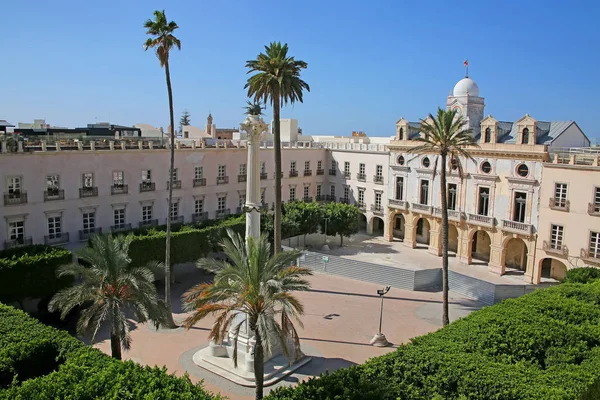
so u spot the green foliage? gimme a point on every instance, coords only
(301, 218)
(582, 275)
(544, 345)
(344, 219)
(253, 108)
(30, 272)
(42, 363)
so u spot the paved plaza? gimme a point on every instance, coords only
(341, 317)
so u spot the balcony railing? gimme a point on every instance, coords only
(344, 200)
(20, 242)
(422, 208)
(176, 184)
(559, 204)
(222, 180)
(199, 217)
(263, 176)
(332, 172)
(560, 250)
(453, 215)
(120, 228)
(361, 206)
(242, 178)
(481, 220)
(85, 234)
(223, 213)
(308, 172)
(199, 182)
(148, 223)
(361, 177)
(325, 197)
(320, 172)
(307, 199)
(517, 227)
(398, 204)
(347, 174)
(119, 189)
(376, 208)
(293, 174)
(88, 192)
(378, 179)
(59, 238)
(590, 257)
(177, 220)
(13, 198)
(147, 187)
(54, 194)
(594, 209)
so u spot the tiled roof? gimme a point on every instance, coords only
(546, 132)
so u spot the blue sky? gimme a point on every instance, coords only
(369, 62)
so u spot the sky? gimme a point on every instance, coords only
(369, 62)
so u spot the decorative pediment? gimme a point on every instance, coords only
(402, 129)
(484, 179)
(489, 130)
(526, 130)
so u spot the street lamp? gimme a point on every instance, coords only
(379, 339)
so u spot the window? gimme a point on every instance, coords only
(221, 203)
(556, 237)
(426, 163)
(399, 187)
(319, 165)
(318, 190)
(452, 187)
(484, 201)
(292, 166)
(454, 164)
(146, 176)
(174, 210)
(119, 218)
(87, 180)
(307, 165)
(424, 192)
(400, 160)
(147, 213)
(332, 191)
(14, 184)
(519, 206)
(333, 164)
(52, 182)
(243, 169)
(262, 197)
(560, 195)
(488, 135)
(16, 230)
(175, 174)
(347, 168)
(361, 169)
(401, 135)
(522, 170)
(378, 200)
(242, 200)
(596, 204)
(346, 193)
(525, 137)
(486, 167)
(594, 245)
(221, 171)
(379, 171)
(263, 168)
(361, 196)
(198, 172)
(292, 193)
(89, 222)
(54, 227)
(198, 206)
(118, 178)
(306, 192)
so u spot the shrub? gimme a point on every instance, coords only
(582, 275)
(30, 272)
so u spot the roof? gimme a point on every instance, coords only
(3, 122)
(545, 133)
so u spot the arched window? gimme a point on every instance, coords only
(401, 134)
(488, 135)
(525, 139)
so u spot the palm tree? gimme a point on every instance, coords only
(277, 80)
(163, 40)
(256, 288)
(447, 136)
(108, 286)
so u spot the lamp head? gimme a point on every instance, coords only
(383, 291)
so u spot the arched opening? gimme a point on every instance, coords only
(401, 134)
(554, 269)
(488, 135)
(422, 231)
(378, 226)
(481, 246)
(452, 238)
(399, 226)
(525, 138)
(515, 254)
(362, 223)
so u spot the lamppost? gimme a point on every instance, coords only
(325, 246)
(379, 339)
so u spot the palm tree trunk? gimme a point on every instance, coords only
(170, 321)
(115, 345)
(445, 317)
(277, 148)
(259, 367)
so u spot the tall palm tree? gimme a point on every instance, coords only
(448, 137)
(162, 41)
(108, 286)
(256, 288)
(277, 80)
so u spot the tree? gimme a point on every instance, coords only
(446, 136)
(304, 216)
(277, 80)
(343, 219)
(108, 286)
(257, 286)
(162, 41)
(184, 120)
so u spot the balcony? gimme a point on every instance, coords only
(54, 194)
(60, 238)
(453, 215)
(91, 191)
(361, 177)
(344, 200)
(20, 242)
(263, 176)
(320, 171)
(377, 209)
(119, 189)
(378, 179)
(148, 223)
(559, 250)
(14, 198)
(594, 209)
(199, 182)
(422, 208)
(199, 217)
(222, 180)
(242, 178)
(176, 184)
(223, 213)
(590, 257)
(397, 204)
(147, 187)
(177, 220)
(85, 234)
(293, 174)
(559, 204)
(347, 174)
(307, 199)
(517, 227)
(325, 197)
(332, 172)
(308, 172)
(361, 206)
(481, 220)
(120, 228)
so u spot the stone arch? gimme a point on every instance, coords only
(480, 245)
(452, 238)
(363, 223)
(377, 226)
(514, 253)
(422, 229)
(398, 225)
(553, 268)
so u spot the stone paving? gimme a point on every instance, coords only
(341, 316)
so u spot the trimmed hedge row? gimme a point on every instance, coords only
(30, 272)
(40, 362)
(544, 345)
(582, 275)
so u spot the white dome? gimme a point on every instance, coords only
(466, 85)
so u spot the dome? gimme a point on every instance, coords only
(466, 85)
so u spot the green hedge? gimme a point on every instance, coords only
(583, 275)
(30, 272)
(42, 363)
(545, 345)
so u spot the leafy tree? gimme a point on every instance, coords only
(184, 120)
(106, 288)
(255, 286)
(446, 136)
(304, 216)
(277, 79)
(163, 41)
(343, 220)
